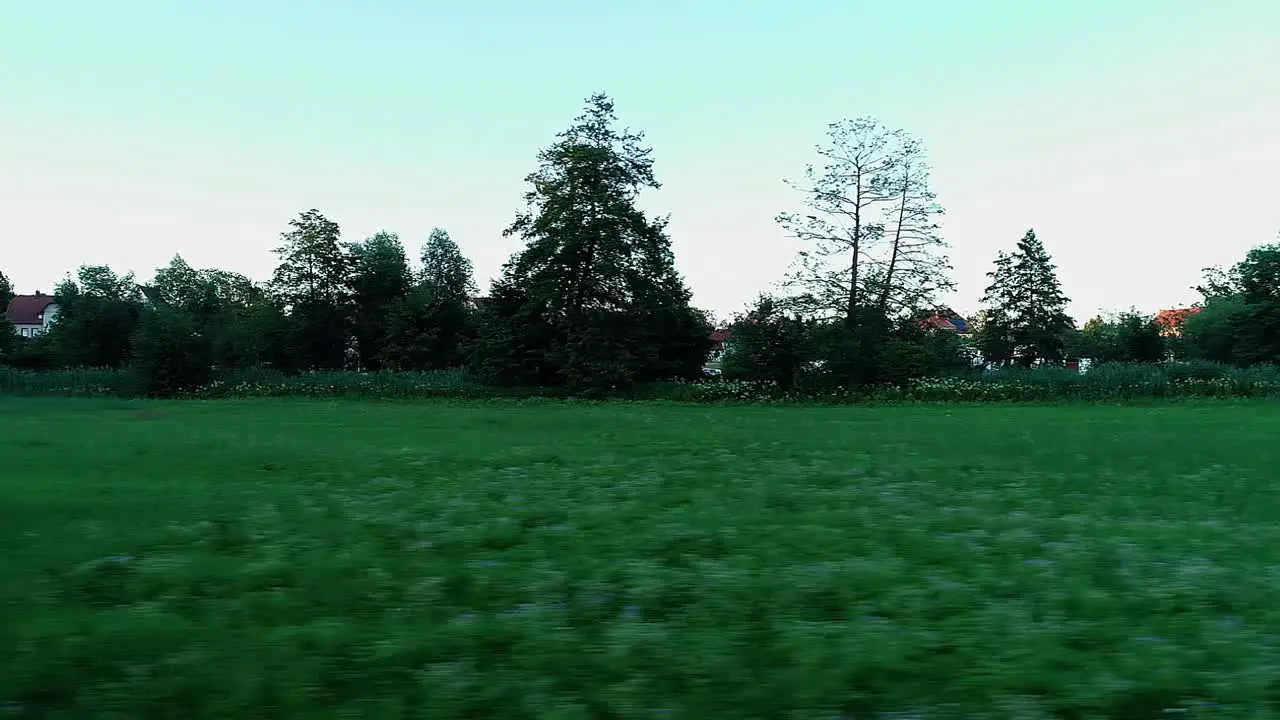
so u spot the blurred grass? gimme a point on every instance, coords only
(324, 559)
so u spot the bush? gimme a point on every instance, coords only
(1115, 382)
(339, 384)
(78, 382)
(171, 354)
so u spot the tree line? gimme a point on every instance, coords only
(594, 302)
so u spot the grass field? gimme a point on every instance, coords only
(382, 560)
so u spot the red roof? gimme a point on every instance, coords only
(28, 309)
(939, 322)
(1171, 320)
(718, 338)
(1176, 316)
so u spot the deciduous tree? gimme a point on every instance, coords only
(312, 280)
(1126, 337)
(768, 344)
(869, 225)
(915, 267)
(8, 336)
(432, 326)
(446, 272)
(241, 323)
(98, 312)
(380, 279)
(1239, 321)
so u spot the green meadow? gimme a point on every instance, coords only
(360, 559)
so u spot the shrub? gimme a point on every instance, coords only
(77, 382)
(171, 353)
(1115, 382)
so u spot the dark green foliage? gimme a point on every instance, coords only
(426, 331)
(677, 339)
(8, 335)
(36, 353)
(513, 340)
(243, 325)
(380, 280)
(876, 351)
(199, 320)
(446, 272)
(913, 352)
(431, 327)
(1213, 333)
(850, 350)
(1025, 321)
(1129, 337)
(1239, 319)
(1259, 275)
(171, 352)
(313, 281)
(768, 345)
(593, 301)
(98, 313)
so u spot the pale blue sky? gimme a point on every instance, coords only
(1141, 138)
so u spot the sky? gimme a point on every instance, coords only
(1140, 138)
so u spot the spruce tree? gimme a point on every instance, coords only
(1026, 320)
(593, 300)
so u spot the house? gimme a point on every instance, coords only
(1170, 321)
(945, 318)
(31, 315)
(719, 342)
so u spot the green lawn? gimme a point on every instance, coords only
(261, 559)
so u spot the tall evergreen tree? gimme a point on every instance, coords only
(594, 299)
(312, 281)
(1026, 319)
(380, 279)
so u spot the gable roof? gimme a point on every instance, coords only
(1170, 321)
(938, 322)
(1175, 317)
(944, 318)
(28, 309)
